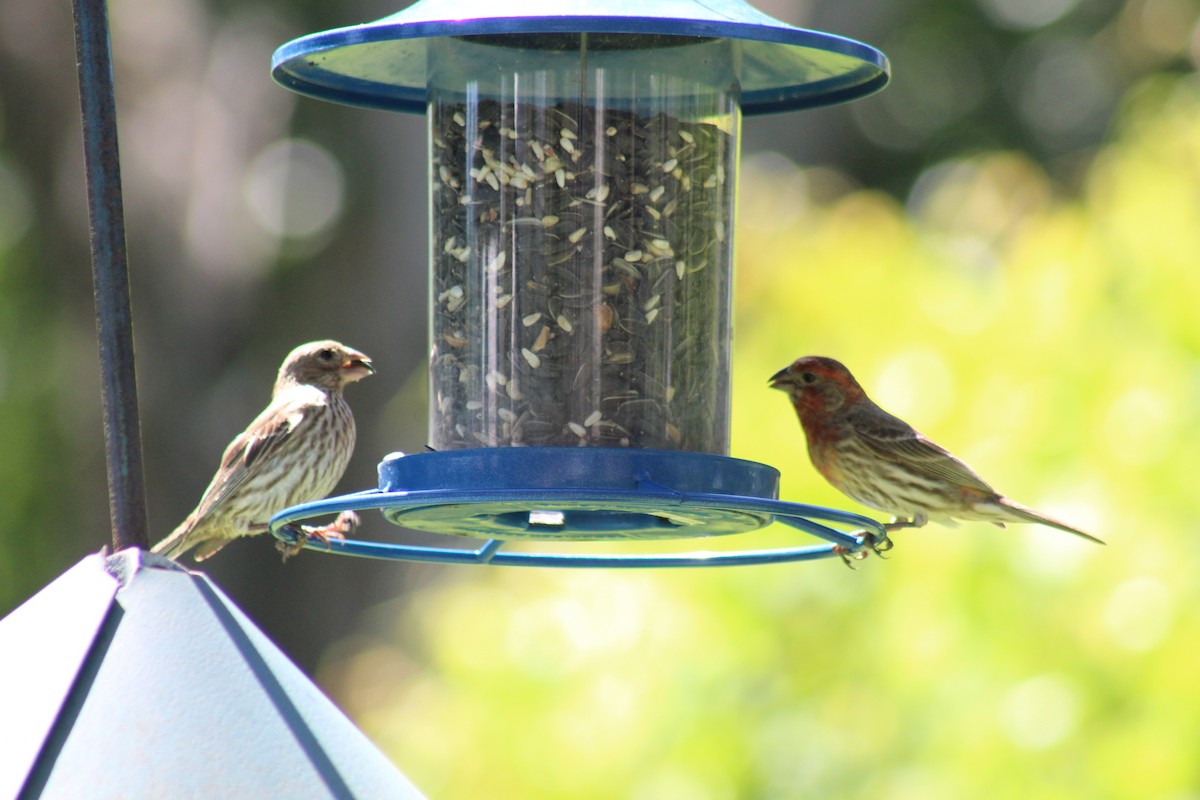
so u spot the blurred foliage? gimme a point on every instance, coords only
(1052, 341)
(1002, 246)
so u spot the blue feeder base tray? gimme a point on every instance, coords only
(579, 494)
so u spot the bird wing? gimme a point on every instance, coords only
(893, 439)
(243, 459)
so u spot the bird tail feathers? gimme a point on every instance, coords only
(177, 543)
(1020, 513)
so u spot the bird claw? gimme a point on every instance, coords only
(289, 549)
(849, 556)
(882, 544)
(346, 522)
(879, 544)
(874, 543)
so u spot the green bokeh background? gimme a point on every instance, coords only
(1015, 273)
(1050, 339)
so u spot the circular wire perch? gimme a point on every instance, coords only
(569, 495)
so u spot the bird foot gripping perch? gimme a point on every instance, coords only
(346, 523)
(875, 543)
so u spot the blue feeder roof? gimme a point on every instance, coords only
(382, 64)
(139, 679)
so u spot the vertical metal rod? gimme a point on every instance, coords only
(110, 276)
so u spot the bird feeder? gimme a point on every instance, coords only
(582, 194)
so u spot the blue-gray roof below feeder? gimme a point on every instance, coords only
(383, 64)
(129, 676)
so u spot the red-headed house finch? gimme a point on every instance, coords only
(883, 462)
(295, 451)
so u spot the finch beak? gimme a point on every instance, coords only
(357, 366)
(781, 380)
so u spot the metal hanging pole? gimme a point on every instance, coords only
(110, 276)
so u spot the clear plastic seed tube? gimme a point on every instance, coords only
(582, 202)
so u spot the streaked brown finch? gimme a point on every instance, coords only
(295, 451)
(883, 462)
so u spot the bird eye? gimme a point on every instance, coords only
(808, 377)
(325, 355)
